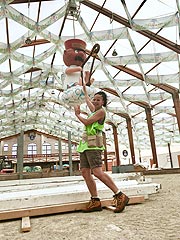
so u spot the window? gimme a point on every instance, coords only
(5, 147)
(56, 146)
(64, 146)
(32, 149)
(14, 149)
(46, 148)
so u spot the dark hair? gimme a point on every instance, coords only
(104, 96)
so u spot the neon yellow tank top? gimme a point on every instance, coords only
(91, 129)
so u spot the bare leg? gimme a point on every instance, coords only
(86, 173)
(105, 178)
(121, 200)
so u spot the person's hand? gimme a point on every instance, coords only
(84, 89)
(77, 110)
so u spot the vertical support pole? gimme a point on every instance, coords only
(151, 134)
(116, 144)
(179, 160)
(60, 154)
(176, 101)
(1, 147)
(20, 153)
(131, 143)
(105, 151)
(140, 155)
(170, 156)
(70, 153)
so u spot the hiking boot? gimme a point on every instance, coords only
(121, 200)
(93, 205)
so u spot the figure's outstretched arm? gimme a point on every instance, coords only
(88, 100)
(71, 70)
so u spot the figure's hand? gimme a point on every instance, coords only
(84, 89)
(87, 78)
(77, 110)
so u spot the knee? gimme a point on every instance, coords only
(97, 173)
(86, 173)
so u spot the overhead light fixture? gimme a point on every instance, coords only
(28, 41)
(50, 78)
(114, 53)
(72, 10)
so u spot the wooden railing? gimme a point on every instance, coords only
(53, 157)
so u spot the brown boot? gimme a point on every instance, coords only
(121, 200)
(93, 205)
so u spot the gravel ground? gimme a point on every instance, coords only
(158, 218)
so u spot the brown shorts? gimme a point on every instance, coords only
(90, 159)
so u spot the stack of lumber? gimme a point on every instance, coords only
(34, 197)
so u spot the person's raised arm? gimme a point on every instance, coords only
(88, 100)
(99, 115)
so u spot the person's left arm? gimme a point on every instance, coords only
(88, 100)
(99, 115)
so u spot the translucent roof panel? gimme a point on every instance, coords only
(137, 65)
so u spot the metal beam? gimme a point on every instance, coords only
(115, 143)
(131, 143)
(27, 1)
(151, 35)
(151, 134)
(176, 101)
(130, 71)
(36, 42)
(150, 129)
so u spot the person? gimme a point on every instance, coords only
(90, 149)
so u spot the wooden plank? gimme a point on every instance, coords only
(73, 184)
(67, 194)
(136, 200)
(25, 224)
(65, 179)
(46, 210)
(162, 171)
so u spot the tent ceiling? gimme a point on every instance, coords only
(143, 75)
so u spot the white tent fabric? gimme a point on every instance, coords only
(31, 75)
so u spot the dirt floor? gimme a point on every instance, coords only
(157, 218)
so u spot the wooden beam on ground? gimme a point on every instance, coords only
(64, 194)
(25, 224)
(63, 208)
(30, 194)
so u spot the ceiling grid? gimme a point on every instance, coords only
(144, 73)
